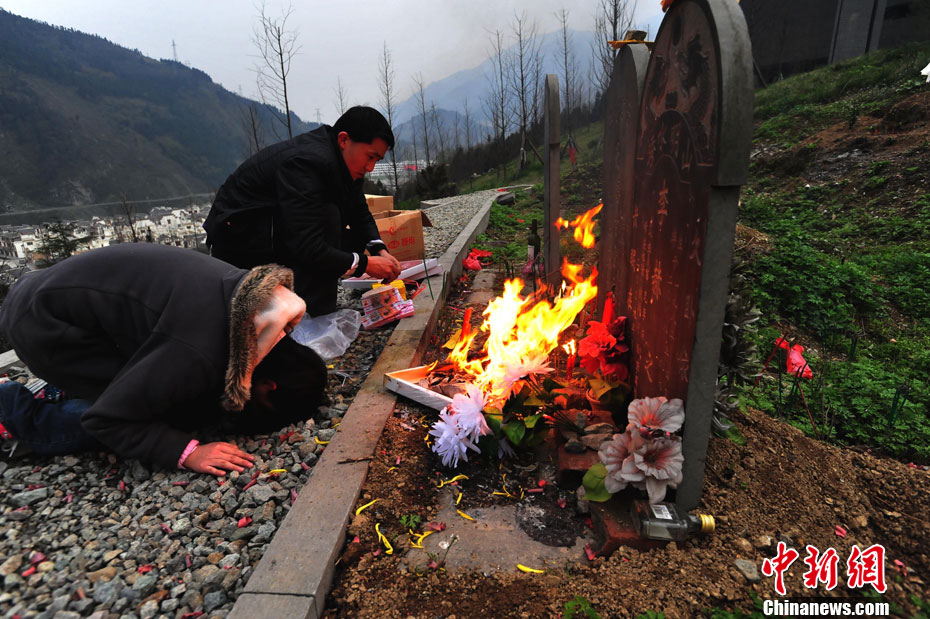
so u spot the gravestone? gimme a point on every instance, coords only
(620, 125)
(694, 126)
(552, 258)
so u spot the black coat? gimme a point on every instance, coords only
(291, 203)
(140, 330)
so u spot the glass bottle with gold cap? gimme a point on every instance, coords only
(663, 521)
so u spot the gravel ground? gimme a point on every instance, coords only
(94, 535)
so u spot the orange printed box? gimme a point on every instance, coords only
(402, 232)
(379, 204)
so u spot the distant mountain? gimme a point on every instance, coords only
(450, 92)
(84, 121)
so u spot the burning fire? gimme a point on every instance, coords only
(523, 331)
(583, 225)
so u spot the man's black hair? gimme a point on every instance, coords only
(364, 124)
(300, 376)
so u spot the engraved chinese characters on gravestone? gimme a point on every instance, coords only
(692, 153)
(620, 125)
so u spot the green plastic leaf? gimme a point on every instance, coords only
(530, 422)
(514, 431)
(599, 386)
(593, 481)
(494, 421)
(550, 384)
(534, 400)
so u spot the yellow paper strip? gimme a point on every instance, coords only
(365, 506)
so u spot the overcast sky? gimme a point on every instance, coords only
(337, 39)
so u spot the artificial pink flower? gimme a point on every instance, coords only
(612, 454)
(657, 465)
(656, 413)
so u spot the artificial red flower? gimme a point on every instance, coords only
(603, 349)
(795, 361)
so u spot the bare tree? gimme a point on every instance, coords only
(277, 47)
(523, 69)
(497, 98)
(439, 126)
(252, 127)
(467, 114)
(456, 134)
(341, 96)
(127, 210)
(569, 71)
(424, 120)
(386, 85)
(613, 19)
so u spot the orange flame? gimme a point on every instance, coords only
(525, 330)
(583, 225)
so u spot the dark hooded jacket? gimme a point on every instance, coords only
(158, 338)
(294, 203)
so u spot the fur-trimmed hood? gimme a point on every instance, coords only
(253, 295)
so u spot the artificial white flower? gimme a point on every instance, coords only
(469, 413)
(450, 444)
(514, 372)
(505, 449)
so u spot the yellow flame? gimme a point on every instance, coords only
(583, 225)
(569, 347)
(520, 329)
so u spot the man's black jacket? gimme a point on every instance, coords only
(143, 331)
(291, 203)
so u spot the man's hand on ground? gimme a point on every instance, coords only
(212, 458)
(384, 266)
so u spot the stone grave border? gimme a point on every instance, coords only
(296, 571)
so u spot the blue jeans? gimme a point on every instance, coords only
(47, 427)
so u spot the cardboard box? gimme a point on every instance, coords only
(379, 204)
(402, 232)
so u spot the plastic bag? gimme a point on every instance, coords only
(329, 335)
